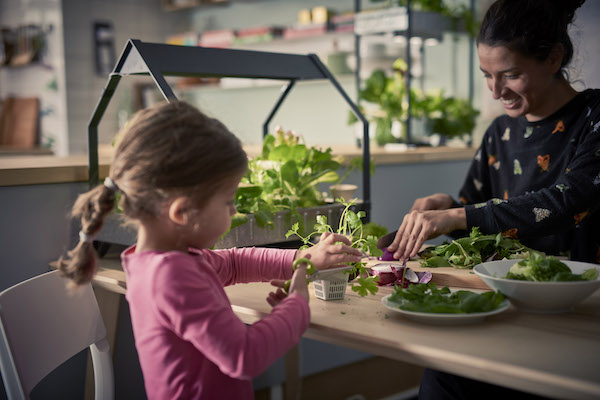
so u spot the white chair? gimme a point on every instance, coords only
(43, 323)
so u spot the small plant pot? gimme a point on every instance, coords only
(345, 191)
(333, 289)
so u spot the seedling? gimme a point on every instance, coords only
(351, 226)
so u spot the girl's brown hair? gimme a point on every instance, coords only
(164, 151)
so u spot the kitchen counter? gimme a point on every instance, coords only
(43, 169)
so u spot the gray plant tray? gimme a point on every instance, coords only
(249, 234)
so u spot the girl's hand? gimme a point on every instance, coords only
(333, 249)
(297, 284)
(275, 298)
(419, 226)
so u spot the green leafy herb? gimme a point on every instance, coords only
(538, 268)
(285, 176)
(350, 225)
(426, 297)
(474, 249)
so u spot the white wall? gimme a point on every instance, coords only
(585, 32)
(137, 19)
(44, 79)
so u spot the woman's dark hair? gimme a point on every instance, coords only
(168, 150)
(530, 27)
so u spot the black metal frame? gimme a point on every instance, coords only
(160, 60)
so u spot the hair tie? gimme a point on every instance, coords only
(85, 238)
(110, 184)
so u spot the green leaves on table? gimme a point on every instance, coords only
(474, 249)
(426, 297)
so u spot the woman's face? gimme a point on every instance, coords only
(523, 84)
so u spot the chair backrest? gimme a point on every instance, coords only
(43, 323)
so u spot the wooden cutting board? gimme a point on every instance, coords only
(443, 276)
(19, 122)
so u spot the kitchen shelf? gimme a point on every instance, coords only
(160, 60)
(406, 22)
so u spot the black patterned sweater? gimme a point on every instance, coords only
(540, 181)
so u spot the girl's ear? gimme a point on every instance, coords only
(179, 210)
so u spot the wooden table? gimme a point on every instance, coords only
(553, 355)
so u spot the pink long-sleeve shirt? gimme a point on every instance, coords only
(190, 343)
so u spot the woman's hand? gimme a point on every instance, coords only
(333, 249)
(297, 284)
(438, 201)
(419, 226)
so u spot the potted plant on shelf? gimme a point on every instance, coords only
(385, 98)
(386, 101)
(447, 116)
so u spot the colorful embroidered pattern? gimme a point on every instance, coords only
(479, 205)
(478, 184)
(498, 201)
(562, 187)
(544, 162)
(492, 159)
(541, 213)
(517, 170)
(580, 216)
(528, 132)
(511, 233)
(506, 195)
(506, 135)
(560, 127)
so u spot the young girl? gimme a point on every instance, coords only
(177, 173)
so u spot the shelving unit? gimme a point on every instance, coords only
(160, 60)
(407, 22)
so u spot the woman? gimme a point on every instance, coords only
(536, 176)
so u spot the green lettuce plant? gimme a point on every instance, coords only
(284, 177)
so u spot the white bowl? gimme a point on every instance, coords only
(539, 297)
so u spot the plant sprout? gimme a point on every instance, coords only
(351, 226)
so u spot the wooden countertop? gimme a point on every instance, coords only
(553, 355)
(550, 355)
(31, 170)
